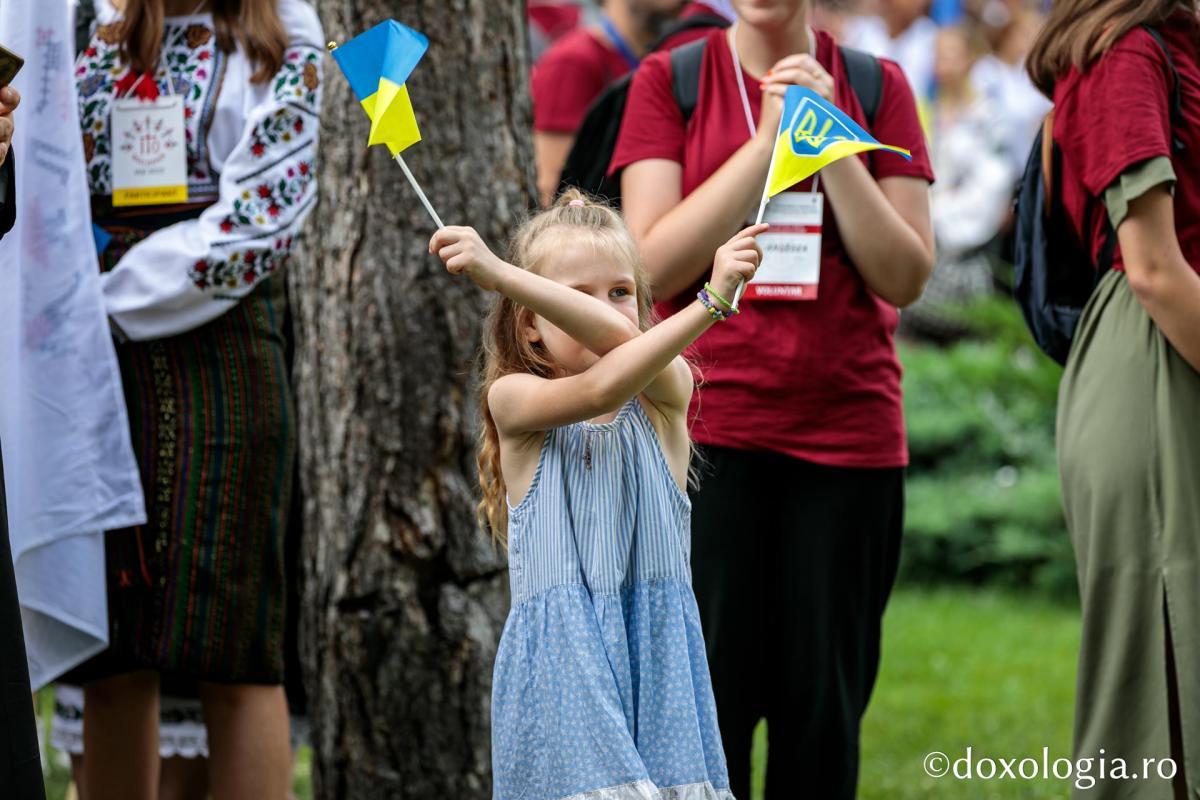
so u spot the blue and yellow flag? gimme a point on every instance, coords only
(377, 63)
(812, 134)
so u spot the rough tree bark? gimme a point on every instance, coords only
(404, 597)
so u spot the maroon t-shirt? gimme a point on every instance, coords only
(818, 379)
(1116, 114)
(569, 76)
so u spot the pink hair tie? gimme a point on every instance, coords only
(576, 202)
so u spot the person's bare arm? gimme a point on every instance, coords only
(550, 152)
(595, 325)
(886, 228)
(1159, 275)
(522, 404)
(677, 238)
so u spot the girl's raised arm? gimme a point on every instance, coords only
(595, 325)
(523, 403)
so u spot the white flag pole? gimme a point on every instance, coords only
(762, 206)
(762, 209)
(417, 188)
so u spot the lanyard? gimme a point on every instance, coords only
(618, 42)
(741, 83)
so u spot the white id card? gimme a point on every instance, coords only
(149, 152)
(791, 265)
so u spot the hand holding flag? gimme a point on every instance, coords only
(813, 133)
(377, 64)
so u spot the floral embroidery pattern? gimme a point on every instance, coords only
(263, 204)
(197, 36)
(279, 128)
(273, 196)
(243, 267)
(110, 33)
(95, 71)
(300, 77)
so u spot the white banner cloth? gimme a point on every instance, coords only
(69, 467)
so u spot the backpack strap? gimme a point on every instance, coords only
(685, 76)
(694, 22)
(1048, 166)
(866, 79)
(1176, 91)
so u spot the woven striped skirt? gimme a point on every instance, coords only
(199, 591)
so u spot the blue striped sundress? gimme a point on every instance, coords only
(601, 688)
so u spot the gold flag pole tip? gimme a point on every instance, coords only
(332, 46)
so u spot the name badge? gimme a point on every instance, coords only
(791, 265)
(149, 152)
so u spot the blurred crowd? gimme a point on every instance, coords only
(965, 60)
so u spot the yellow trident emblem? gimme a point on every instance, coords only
(805, 132)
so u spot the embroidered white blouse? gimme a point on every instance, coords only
(251, 151)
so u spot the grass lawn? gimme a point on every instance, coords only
(993, 671)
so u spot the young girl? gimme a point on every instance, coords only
(601, 686)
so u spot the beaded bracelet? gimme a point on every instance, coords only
(717, 314)
(728, 305)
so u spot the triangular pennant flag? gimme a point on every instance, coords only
(812, 134)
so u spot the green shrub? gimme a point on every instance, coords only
(983, 491)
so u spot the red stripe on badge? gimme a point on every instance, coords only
(781, 291)
(777, 227)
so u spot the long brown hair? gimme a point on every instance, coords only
(254, 24)
(1080, 31)
(506, 350)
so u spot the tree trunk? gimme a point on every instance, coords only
(404, 597)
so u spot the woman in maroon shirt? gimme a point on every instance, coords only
(797, 522)
(1129, 402)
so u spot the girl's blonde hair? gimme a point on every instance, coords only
(580, 220)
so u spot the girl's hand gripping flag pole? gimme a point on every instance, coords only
(377, 64)
(813, 133)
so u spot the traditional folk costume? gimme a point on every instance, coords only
(196, 296)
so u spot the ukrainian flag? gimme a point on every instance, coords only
(377, 63)
(812, 134)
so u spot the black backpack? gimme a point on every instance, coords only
(1053, 273)
(587, 164)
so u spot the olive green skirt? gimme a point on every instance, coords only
(1129, 454)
